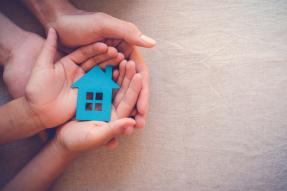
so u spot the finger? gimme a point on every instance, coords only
(84, 53)
(90, 63)
(112, 144)
(142, 105)
(140, 121)
(114, 61)
(117, 127)
(116, 74)
(48, 52)
(129, 73)
(142, 68)
(129, 130)
(119, 29)
(122, 69)
(130, 98)
(99, 133)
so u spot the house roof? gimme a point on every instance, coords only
(96, 77)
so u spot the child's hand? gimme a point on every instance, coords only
(49, 93)
(76, 136)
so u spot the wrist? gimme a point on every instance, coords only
(31, 115)
(62, 150)
(9, 38)
(17, 121)
(48, 11)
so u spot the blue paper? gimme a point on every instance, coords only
(95, 90)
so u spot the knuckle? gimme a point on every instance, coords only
(85, 51)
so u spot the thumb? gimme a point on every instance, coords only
(49, 49)
(116, 128)
(116, 28)
(99, 133)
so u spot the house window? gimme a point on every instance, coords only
(99, 96)
(89, 106)
(94, 101)
(89, 95)
(98, 107)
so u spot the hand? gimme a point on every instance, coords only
(77, 28)
(49, 91)
(143, 100)
(132, 53)
(77, 136)
(80, 136)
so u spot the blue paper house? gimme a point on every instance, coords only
(95, 90)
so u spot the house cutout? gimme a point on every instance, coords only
(95, 91)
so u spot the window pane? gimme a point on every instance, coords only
(98, 107)
(89, 107)
(99, 96)
(89, 95)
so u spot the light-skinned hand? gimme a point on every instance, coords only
(77, 28)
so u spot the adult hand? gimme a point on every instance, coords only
(48, 91)
(82, 28)
(76, 27)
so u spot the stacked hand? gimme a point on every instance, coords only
(51, 98)
(42, 84)
(101, 40)
(77, 28)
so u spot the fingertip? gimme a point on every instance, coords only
(123, 64)
(148, 42)
(120, 57)
(115, 74)
(140, 121)
(51, 30)
(101, 47)
(131, 62)
(51, 34)
(138, 77)
(112, 52)
(130, 122)
(131, 68)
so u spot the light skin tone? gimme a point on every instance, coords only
(19, 51)
(69, 140)
(19, 55)
(75, 137)
(49, 101)
(72, 139)
(69, 22)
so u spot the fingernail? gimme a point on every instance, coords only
(148, 39)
